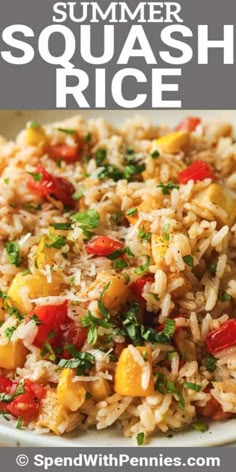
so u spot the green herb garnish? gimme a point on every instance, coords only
(144, 235)
(210, 362)
(140, 438)
(13, 253)
(67, 131)
(144, 267)
(166, 188)
(200, 427)
(62, 226)
(225, 297)
(79, 194)
(100, 156)
(192, 386)
(188, 260)
(9, 332)
(87, 220)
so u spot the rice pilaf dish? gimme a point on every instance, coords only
(118, 276)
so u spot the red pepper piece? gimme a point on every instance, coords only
(197, 171)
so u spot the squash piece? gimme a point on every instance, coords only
(70, 394)
(99, 389)
(159, 247)
(146, 206)
(129, 374)
(117, 291)
(52, 414)
(12, 355)
(171, 143)
(36, 137)
(220, 197)
(25, 287)
(44, 254)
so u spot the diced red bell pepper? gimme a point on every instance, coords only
(52, 317)
(48, 185)
(221, 338)
(189, 124)
(5, 385)
(213, 409)
(72, 334)
(27, 404)
(66, 152)
(103, 246)
(197, 171)
(137, 286)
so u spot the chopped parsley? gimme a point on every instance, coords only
(6, 181)
(144, 235)
(138, 333)
(169, 327)
(32, 206)
(127, 278)
(212, 269)
(13, 253)
(164, 385)
(47, 349)
(79, 194)
(131, 212)
(155, 154)
(100, 156)
(83, 362)
(19, 422)
(225, 297)
(192, 386)
(93, 323)
(131, 170)
(111, 172)
(9, 332)
(200, 427)
(36, 320)
(33, 124)
(120, 264)
(103, 310)
(140, 438)
(67, 131)
(88, 138)
(166, 188)
(188, 260)
(144, 267)
(37, 176)
(210, 362)
(58, 242)
(166, 234)
(114, 255)
(87, 220)
(63, 226)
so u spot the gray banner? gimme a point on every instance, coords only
(127, 459)
(37, 84)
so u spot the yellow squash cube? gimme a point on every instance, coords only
(70, 394)
(12, 355)
(159, 247)
(128, 375)
(171, 143)
(99, 389)
(117, 291)
(220, 197)
(146, 206)
(36, 137)
(25, 287)
(52, 413)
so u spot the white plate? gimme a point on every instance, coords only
(219, 433)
